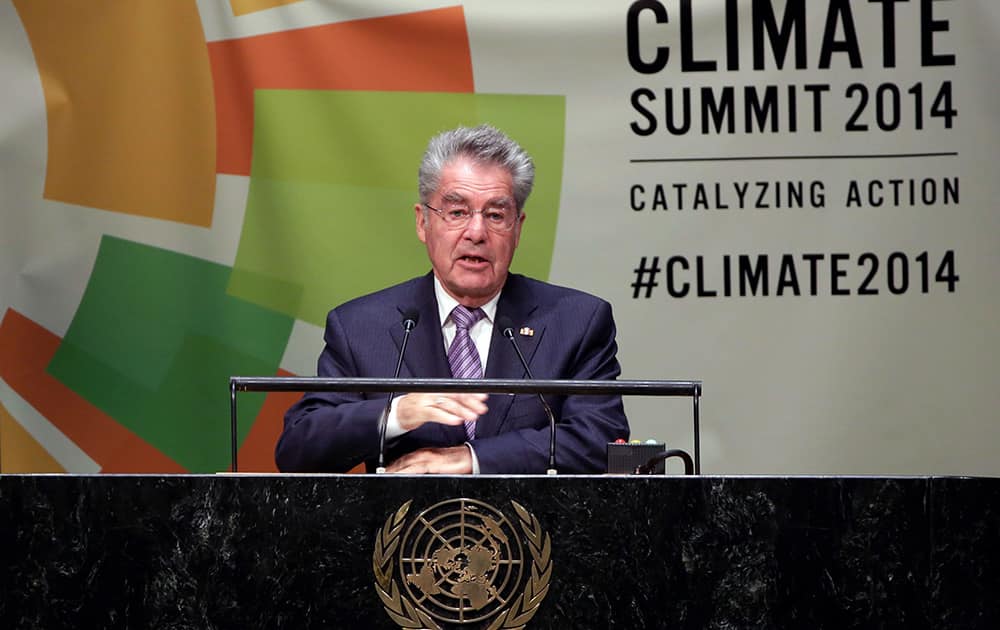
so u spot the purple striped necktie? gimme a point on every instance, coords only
(462, 355)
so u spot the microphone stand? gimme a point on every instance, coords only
(508, 332)
(383, 420)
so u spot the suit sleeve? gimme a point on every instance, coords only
(585, 424)
(330, 432)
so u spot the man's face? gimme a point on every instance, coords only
(472, 261)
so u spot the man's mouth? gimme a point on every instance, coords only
(475, 260)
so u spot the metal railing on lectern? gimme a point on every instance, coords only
(481, 385)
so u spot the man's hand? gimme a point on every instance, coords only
(454, 409)
(454, 460)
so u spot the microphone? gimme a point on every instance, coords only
(507, 329)
(409, 322)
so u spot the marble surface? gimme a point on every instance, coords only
(627, 552)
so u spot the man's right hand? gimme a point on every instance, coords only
(416, 409)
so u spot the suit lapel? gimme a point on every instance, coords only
(517, 303)
(425, 357)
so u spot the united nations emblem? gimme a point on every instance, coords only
(462, 562)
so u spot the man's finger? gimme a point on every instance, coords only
(454, 460)
(465, 406)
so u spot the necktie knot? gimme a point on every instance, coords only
(466, 318)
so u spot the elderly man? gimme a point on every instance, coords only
(473, 187)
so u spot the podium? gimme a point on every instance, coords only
(313, 551)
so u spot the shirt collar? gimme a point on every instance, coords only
(446, 303)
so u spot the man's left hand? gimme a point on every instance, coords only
(454, 460)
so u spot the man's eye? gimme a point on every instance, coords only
(496, 216)
(457, 213)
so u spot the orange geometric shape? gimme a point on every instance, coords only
(427, 51)
(21, 453)
(128, 94)
(257, 452)
(242, 7)
(25, 350)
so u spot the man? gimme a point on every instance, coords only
(473, 187)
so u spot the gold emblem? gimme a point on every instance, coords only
(459, 562)
(527, 332)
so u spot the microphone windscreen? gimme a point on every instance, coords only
(505, 325)
(411, 315)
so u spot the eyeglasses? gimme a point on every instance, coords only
(455, 217)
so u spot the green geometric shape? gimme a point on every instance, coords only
(334, 179)
(154, 342)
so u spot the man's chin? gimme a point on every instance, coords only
(478, 289)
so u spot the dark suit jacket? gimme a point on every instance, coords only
(574, 339)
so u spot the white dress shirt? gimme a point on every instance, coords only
(481, 333)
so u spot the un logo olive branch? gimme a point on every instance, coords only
(473, 556)
(540, 546)
(400, 609)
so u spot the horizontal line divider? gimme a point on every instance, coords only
(483, 385)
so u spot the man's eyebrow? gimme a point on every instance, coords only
(453, 196)
(503, 200)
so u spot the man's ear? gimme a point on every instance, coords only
(421, 222)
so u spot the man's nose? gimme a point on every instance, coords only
(476, 228)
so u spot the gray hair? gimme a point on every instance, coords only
(484, 144)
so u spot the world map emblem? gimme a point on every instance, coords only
(462, 563)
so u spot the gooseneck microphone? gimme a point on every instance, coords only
(409, 322)
(507, 329)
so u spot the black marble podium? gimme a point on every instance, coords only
(626, 552)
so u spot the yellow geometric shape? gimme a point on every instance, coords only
(242, 7)
(130, 105)
(21, 453)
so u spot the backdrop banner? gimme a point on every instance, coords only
(791, 201)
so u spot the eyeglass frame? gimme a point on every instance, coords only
(472, 213)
